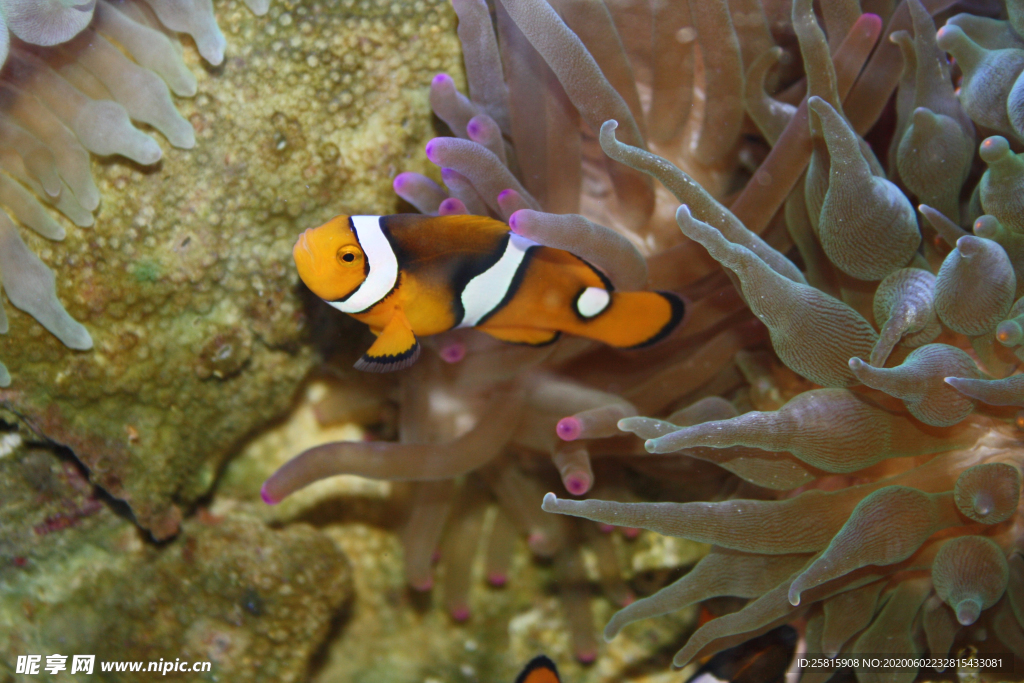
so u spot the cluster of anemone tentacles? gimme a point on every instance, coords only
(849, 360)
(75, 76)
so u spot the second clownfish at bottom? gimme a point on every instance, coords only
(540, 669)
(410, 275)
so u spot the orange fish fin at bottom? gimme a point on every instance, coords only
(523, 335)
(539, 670)
(396, 348)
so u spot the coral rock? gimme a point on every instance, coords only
(185, 282)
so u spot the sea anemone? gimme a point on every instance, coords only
(480, 419)
(42, 22)
(72, 82)
(842, 363)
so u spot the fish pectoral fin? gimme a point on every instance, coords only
(523, 335)
(396, 348)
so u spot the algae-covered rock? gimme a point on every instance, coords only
(254, 602)
(186, 282)
(42, 498)
(79, 579)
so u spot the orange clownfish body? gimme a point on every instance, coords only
(410, 275)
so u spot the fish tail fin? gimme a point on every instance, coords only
(634, 320)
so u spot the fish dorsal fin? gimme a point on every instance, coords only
(419, 236)
(467, 222)
(462, 224)
(540, 669)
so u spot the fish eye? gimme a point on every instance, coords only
(348, 255)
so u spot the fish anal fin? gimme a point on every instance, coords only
(523, 335)
(396, 348)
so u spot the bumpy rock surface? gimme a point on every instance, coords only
(186, 282)
(79, 579)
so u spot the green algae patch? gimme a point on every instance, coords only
(146, 271)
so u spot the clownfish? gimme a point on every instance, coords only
(540, 669)
(764, 659)
(411, 275)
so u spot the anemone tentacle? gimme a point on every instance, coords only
(851, 390)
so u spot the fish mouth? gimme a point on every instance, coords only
(302, 252)
(303, 243)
